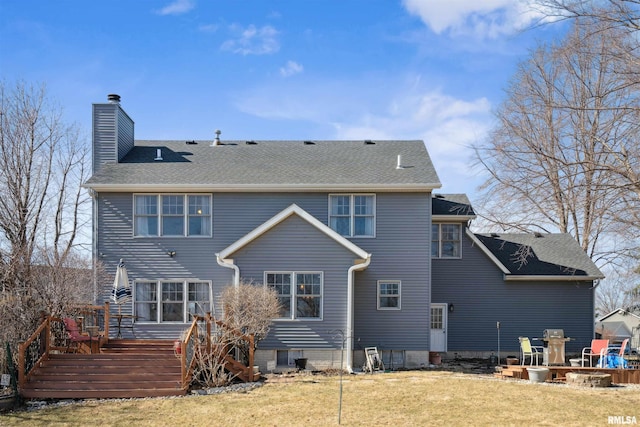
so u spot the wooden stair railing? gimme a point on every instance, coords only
(37, 348)
(195, 337)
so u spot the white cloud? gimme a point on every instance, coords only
(252, 40)
(178, 7)
(480, 18)
(290, 69)
(449, 125)
(208, 28)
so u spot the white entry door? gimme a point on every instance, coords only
(438, 327)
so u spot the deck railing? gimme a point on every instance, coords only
(199, 338)
(50, 336)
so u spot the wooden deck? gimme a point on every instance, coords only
(559, 373)
(121, 369)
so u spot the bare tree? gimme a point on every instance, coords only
(43, 211)
(563, 152)
(620, 290)
(622, 14)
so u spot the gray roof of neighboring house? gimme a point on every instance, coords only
(451, 205)
(271, 165)
(540, 255)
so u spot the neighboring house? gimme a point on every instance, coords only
(350, 235)
(620, 324)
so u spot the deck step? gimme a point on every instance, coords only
(122, 369)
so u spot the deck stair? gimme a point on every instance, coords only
(122, 369)
(518, 372)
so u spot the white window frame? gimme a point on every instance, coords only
(293, 295)
(186, 314)
(160, 216)
(438, 240)
(380, 295)
(352, 215)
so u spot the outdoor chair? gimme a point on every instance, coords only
(528, 350)
(598, 348)
(73, 334)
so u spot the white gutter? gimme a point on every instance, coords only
(228, 263)
(349, 332)
(550, 278)
(238, 188)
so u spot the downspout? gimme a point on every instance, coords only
(231, 265)
(94, 243)
(349, 331)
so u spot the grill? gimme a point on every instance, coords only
(553, 350)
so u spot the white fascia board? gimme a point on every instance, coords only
(278, 218)
(549, 278)
(253, 188)
(487, 252)
(452, 218)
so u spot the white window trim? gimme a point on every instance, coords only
(158, 302)
(185, 215)
(352, 216)
(294, 294)
(440, 224)
(399, 283)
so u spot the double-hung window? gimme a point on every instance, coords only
(146, 215)
(388, 295)
(170, 301)
(172, 215)
(299, 293)
(446, 240)
(352, 215)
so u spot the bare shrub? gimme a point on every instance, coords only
(249, 308)
(209, 369)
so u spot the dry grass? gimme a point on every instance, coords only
(402, 398)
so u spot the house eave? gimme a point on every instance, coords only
(549, 278)
(263, 188)
(451, 218)
(280, 217)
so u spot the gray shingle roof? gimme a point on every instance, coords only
(284, 165)
(547, 254)
(451, 205)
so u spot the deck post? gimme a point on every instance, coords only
(251, 349)
(106, 320)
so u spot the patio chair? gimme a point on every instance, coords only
(598, 348)
(528, 350)
(73, 334)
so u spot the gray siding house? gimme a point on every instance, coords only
(349, 233)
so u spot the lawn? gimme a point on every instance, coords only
(407, 398)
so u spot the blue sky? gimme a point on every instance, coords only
(281, 69)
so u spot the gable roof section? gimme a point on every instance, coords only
(280, 217)
(451, 207)
(555, 257)
(270, 166)
(620, 311)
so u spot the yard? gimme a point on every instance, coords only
(399, 398)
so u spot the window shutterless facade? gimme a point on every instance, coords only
(170, 301)
(389, 295)
(352, 215)
(172, 215)
(446, 241)
(299, 293)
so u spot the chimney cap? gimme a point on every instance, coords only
(113, 98)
